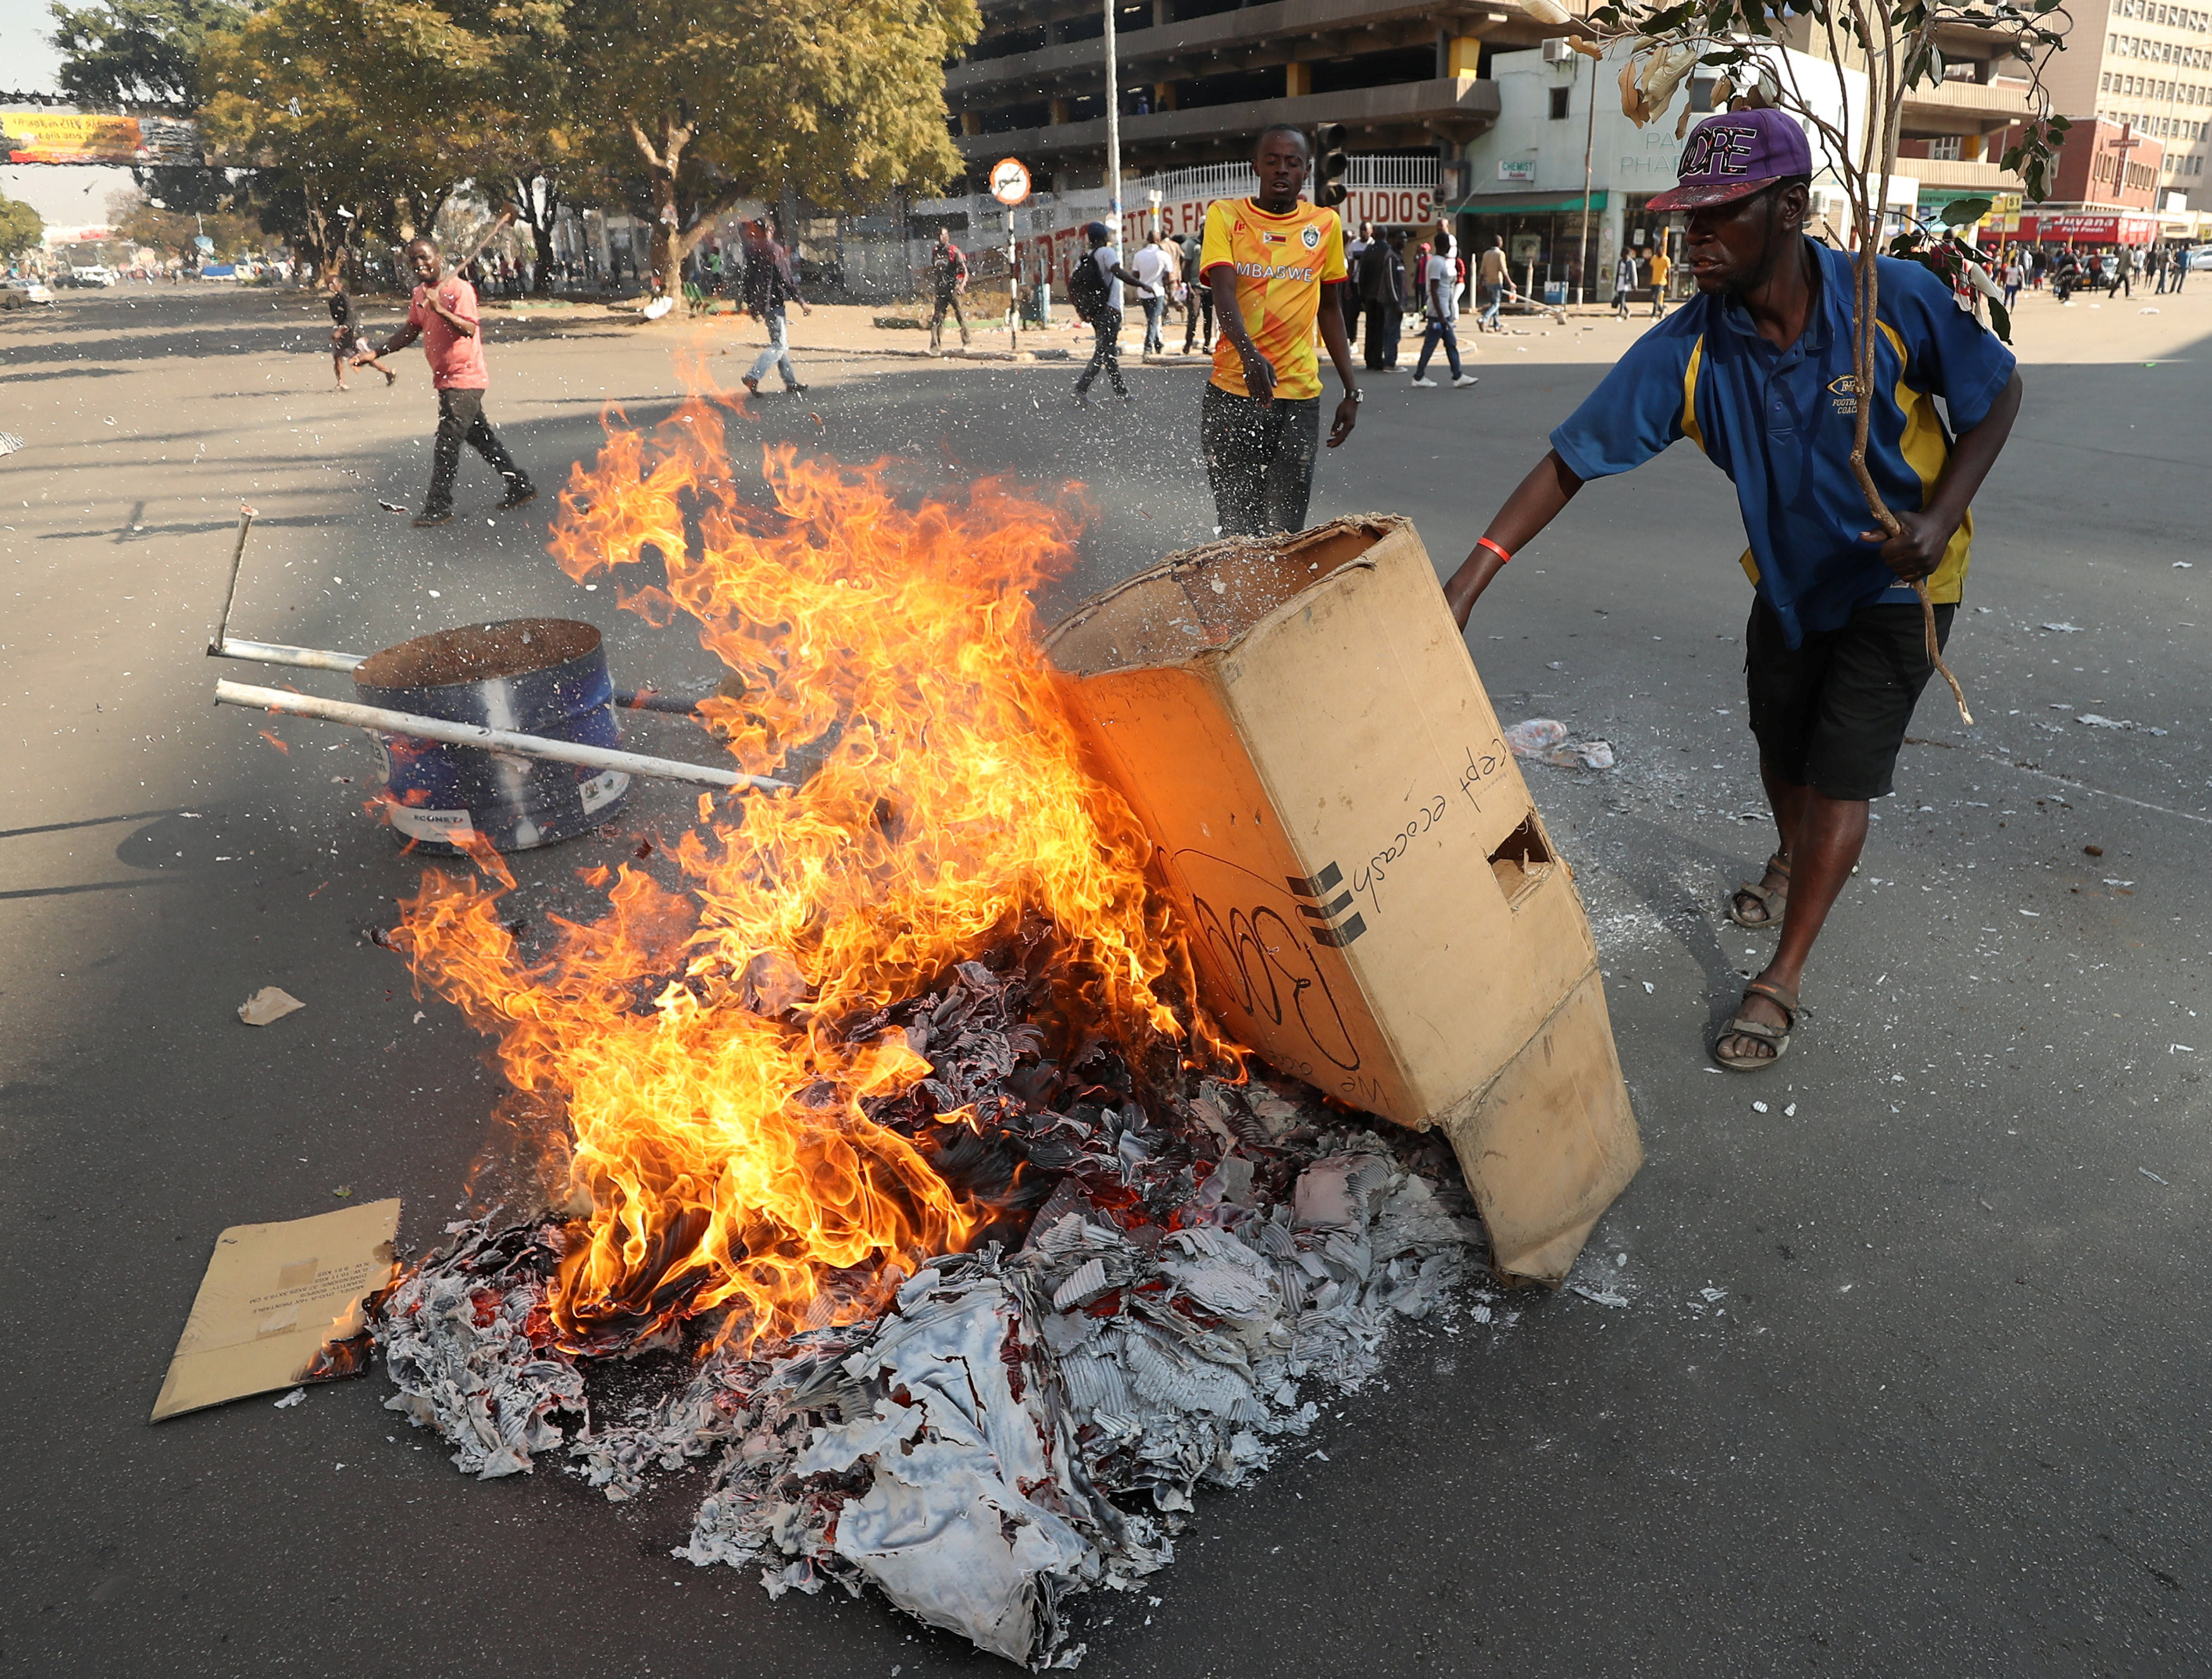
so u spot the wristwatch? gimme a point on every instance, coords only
(1359, 396)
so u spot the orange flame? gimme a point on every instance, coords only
(709, 1047)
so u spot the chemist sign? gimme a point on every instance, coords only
(1010, 182)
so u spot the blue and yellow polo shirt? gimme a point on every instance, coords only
(1779, 423)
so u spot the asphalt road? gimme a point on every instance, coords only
(1912, 1380)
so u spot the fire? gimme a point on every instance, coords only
(714, 1049)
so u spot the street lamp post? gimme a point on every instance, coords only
(1113, 129)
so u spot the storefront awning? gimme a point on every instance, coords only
(1522, 204)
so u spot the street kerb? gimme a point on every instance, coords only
(1374, 903)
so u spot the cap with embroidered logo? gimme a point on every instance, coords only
(1733, 154)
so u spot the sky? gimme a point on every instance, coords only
(28, 61)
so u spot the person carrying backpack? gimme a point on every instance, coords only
(1094, 286)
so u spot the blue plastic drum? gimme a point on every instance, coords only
(535, 676)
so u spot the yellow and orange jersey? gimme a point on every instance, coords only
(1281, 262)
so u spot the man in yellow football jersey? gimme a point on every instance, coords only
(1266, 260)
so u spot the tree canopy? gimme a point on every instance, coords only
(136, 51)
(20, 229)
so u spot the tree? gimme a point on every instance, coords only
(384, 110)
(20, 229)
(122, 52)
(832, 101)
(1892, 44)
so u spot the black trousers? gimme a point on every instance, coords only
(1106, 354)
(1203, 299)
(1385, 323)
(947, 298)
(1259, 460)
(460, 419)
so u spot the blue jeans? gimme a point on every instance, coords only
(1492, 297)
(1156, 309)
(778, 353)
(1439, 328)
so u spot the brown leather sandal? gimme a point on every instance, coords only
(1772, 899)
(1783, 999)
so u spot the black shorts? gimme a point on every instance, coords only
(1832, 714)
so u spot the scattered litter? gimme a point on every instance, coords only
(2097, 722)
(2033, 915)
(2119, 882)
(2152, 1176)
(657, 308)
(269, 1003)
(291, 1399)
(2185, 565)
(2062, 629)
(1758, 1107)
(2146, 312)
(1709, 1294)
(1647, 988)
(9, 442)
(1544, 739)
(1790, 1112)
(1603, 1296)
(2093, 851)
(2183, 1049)
(390, 507)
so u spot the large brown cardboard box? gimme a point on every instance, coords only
(1373, 902)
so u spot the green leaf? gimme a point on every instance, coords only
(2000, 321)
(1965, 212)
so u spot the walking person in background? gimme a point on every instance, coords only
(2181, 265)
(1094, 286)
(1624, 282)
(443, 314)
(1443, 318)
(2157, 271)
(1380, 279)
(347, 340)
(1201, 299)
(1151, 268)
(1661, 267)
(1271, 260)
(1354, 302)
(1491, 279)
(948, 278)
(769, 284)
(2014, 271)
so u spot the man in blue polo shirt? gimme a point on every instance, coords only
(1756, 371)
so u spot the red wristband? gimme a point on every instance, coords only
(1504, 558)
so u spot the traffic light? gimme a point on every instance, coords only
(1329, 166)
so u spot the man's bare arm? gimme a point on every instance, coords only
(1339, 353)
(1229, 314)
(1535, 503)
(1918, 549)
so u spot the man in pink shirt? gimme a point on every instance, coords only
(444, 316)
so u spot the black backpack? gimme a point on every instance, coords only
(1086, 287)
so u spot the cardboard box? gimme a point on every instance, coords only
(1373, 900)
(273, 1297)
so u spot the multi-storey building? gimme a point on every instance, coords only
(2146, 64)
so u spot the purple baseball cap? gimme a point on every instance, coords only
(1733, 154)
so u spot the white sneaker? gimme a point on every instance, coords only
(1464, 380)
(1424, 384)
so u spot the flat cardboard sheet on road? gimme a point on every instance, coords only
(273, 1295)
(1373, 902)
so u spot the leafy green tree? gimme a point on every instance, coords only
(833, 101)
(121, 52)
(20, 229)
(384, 110)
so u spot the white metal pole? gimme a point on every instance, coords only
(488, 740)
(1113, 129)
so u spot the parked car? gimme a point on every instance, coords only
(2200, 257)
(98, 275)
(14, 294)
